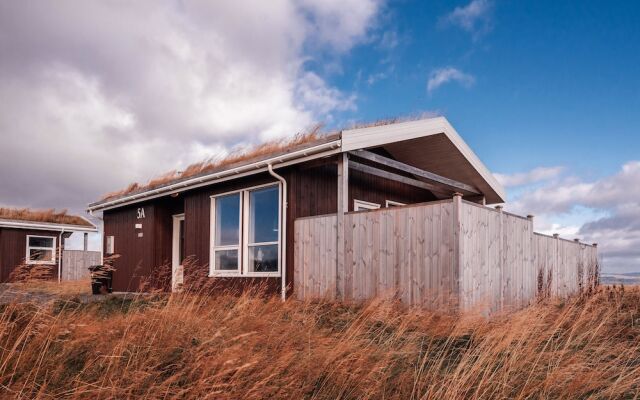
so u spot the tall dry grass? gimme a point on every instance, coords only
(254, 346)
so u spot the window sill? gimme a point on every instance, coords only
(254, 275)
(41, 263)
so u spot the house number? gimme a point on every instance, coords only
(141, 213)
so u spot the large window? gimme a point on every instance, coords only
(246, 232)
(41, 249)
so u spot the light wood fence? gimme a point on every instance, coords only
(446, 254)
(76, 263)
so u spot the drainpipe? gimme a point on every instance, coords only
(283, 260)
(60, 256)
(101, 237)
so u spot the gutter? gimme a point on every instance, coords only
(283, 233)
(243, 170)
(47, 227)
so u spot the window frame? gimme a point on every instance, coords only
(364, 205)
(244, 245)
(392, 203)
(53, 249)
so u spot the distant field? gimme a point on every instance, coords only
(632, 278)
(193, 346)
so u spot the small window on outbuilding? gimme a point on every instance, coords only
(41, 249)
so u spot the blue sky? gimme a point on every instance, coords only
(554, 82)
(99, 94)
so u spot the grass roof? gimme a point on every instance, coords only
(50, 216)
(245, 156)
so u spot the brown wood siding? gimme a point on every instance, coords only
(378, 190)
(13, 248)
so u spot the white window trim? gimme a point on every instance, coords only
(361, 205)
(53, 253)
(391, 203)
(243, 246)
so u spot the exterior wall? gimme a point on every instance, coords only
(13, 248)
(140, 256)
(311, 191)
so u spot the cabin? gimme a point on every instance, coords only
(394, 209)
(30, 238)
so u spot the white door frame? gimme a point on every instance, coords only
(175, 253)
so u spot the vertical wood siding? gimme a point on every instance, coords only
(400, 251)
(13, 248)
(440, 255)
(76, 263)
(505, 265)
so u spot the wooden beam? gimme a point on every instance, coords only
(434, 179)
(367, 169)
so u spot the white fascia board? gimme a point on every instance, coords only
(319, 151)
(45, 226)
(361, 138)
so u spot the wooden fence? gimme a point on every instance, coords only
(76, 263)
(444, 254)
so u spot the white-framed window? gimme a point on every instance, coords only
(391, 203)
(41, 249)
(361, 205)
(245, 232)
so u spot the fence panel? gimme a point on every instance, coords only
(76, 263)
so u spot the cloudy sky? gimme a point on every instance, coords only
(98, 94)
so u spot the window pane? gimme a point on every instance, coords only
(263, 215)
(226, 260)
(263, 258)
(40, 255)
(36, 241)
(227, 220)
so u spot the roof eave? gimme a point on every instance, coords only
(317, 151)
(47, 226)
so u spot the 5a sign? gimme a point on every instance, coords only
(140, 214)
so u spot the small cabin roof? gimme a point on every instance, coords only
(25, 218)
(431, 144)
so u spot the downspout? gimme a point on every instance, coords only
(283, 239)
(101, 237)
(60, 256)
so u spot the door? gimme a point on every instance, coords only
(177, 254)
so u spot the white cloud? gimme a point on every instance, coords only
(527, 178)
(605, 211)
(474, 18)
(98, 94)
(445, 75)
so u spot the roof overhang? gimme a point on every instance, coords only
(432, 145)
(46, 226)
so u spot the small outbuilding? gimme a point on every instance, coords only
(30, 238)
(399, 207)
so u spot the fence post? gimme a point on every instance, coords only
(501, 258)
(342, 208)
(457, 253)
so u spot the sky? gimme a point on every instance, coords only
(98, 94)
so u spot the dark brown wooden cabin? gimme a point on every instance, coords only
(236, 222)
(35, 238)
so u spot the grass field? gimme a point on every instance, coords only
(252, 346)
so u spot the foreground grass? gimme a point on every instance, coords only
(251, 346)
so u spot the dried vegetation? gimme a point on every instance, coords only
(51, 215)
(253, 346)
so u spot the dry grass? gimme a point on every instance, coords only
(51, 215)
(254, 346)
(237, 157)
